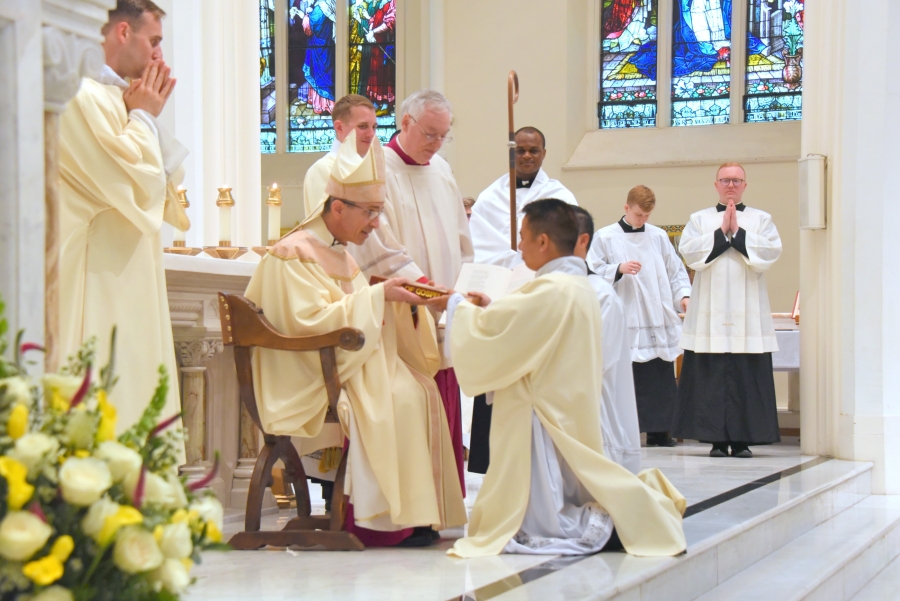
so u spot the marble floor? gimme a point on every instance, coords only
(428, 574)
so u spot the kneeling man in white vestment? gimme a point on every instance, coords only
(549, 488)
(401, 472)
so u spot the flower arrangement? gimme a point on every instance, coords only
(792, 27)
(86, 515)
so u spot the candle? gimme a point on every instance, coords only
(178, 238)
(225, 202)
(274, 204)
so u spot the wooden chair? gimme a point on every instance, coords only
(243, 327)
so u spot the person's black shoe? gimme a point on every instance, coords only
(660, 439)
(741, 451)
(719, 450)
(422, 536)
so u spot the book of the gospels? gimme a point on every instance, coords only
(493, 280)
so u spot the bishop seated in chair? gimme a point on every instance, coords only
(401, 473)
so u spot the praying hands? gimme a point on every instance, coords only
(729, 220)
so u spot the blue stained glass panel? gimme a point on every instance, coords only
(701, 62)
(774, 61)
(311, 74)
(628, 57)
(267, 75)
(373, 59)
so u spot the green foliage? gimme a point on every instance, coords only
(136, 436)
(793, 36)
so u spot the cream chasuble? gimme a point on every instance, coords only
(729, 310)
(401, 470)
(539, 349)
(490, 216)
(114, 196)
(424, 230)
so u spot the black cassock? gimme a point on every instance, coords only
(655, 392)
(479, 441)
(727, 397)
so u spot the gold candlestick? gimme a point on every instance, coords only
(225, 250)
(178, 244)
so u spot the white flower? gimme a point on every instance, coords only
(175, 542)
(136, 550)
(82, 428)
(179, 496)
(173, 575)
(209, 509)
(84, 480)
(157, 490)
(54, 593)
(66, 386)
(22, 534)
(792, 7)
(34, 448)
(93, 521)
(18, 389)
(122, 461)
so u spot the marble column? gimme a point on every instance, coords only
(193, 356)
(850, 384)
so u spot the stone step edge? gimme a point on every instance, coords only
(628, 586)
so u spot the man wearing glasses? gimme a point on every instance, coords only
(726, 395)
(424, 233)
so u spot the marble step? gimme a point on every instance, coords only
(722, 540)
(884, 587)
(831, 562)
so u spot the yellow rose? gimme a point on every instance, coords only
(210, 510)
(15, 474)
(172, 575)
(136, 551)
(213, 533)
(18, 422)
(22, 534)
(125, 515)
(82, 428)
(62, 548)
(122, 461)
(95, 518)
(34, 449)
(44, 571)
(54, 593)
(83, 481)
(18, 388)
(174, 540)
(106, 431)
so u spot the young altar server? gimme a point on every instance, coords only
(424, 235)
(118, 172)
(641, 263)
(401, 472)
(352, 113)
(621, 435)
(490, 215)
(550, 489)
(726, 395)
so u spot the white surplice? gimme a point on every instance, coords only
(729, 311)
(490, 216)
(652, 297)
(621, 433)
(424, 230)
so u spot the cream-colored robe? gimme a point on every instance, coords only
(315, 179)
(401, 468)
(539, 349)
(114, 197)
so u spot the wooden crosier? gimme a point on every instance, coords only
(243, 327)
(512, 96)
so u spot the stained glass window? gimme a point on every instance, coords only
(267, 74)
(701, 62)
(774, 61)
(628, 71)
(373, 58)
(311, 74)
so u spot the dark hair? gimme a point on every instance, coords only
(556, 219)
(584, 220)
(532, 130)
(132, 11)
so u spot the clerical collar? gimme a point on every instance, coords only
(571, 265)
(108, 77)
(525, 183)
(720, 207)
(395, 146)
(628, 229)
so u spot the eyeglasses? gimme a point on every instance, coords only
(433, 137)
(731, 181)
(371, 213)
